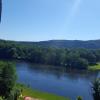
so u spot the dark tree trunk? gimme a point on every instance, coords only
(0, 9)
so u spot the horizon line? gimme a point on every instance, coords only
(48, 40)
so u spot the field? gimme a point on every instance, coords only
(38, 94)
(95, 67)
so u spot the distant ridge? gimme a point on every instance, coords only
(89, 44)
(92, 44)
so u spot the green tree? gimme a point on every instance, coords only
(7, 79)
(96, 89)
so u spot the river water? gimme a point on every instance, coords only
(57, 80)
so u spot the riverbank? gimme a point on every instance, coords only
(38, 94)
(94, 67)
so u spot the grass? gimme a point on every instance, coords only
(38, 94)
(94, 67)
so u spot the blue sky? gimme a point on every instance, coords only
(38, 20)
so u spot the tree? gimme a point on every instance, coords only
(7, 79)
(96, 89)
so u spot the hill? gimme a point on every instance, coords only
(90, 44)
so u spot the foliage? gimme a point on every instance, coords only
(7, 78)
(69, 58)
(79, 98)
(96, 89)
(1, 98)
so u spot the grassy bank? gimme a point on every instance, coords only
(94, 67)
(38, 94)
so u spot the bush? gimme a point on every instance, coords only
(79, 98)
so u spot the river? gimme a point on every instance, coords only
(57, 80)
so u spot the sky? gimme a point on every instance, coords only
(39, 20)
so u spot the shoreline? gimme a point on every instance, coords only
(38, 94)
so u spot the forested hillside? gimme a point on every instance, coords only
(92, 44)
(72, 58)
